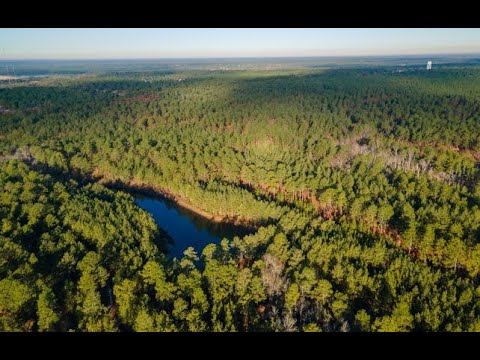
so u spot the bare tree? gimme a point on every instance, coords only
(272, 275)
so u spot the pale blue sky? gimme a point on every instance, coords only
(180, 43)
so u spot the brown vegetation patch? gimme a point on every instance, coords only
(143, 98)
(4, 110)
(376, 99)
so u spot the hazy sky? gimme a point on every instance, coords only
(178, 43)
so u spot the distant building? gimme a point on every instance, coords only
(429, 65)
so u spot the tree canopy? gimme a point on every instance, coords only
(364, 185)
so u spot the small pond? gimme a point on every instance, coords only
(186, 227)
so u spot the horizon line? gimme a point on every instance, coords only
(248, 57)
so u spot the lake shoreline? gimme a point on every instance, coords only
(142, 188)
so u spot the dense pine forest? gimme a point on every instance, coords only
(362, 187)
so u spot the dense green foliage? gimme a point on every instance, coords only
(63, 247)
(365, 184)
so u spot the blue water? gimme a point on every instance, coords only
(185, 227)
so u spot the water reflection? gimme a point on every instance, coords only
(186, 227)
